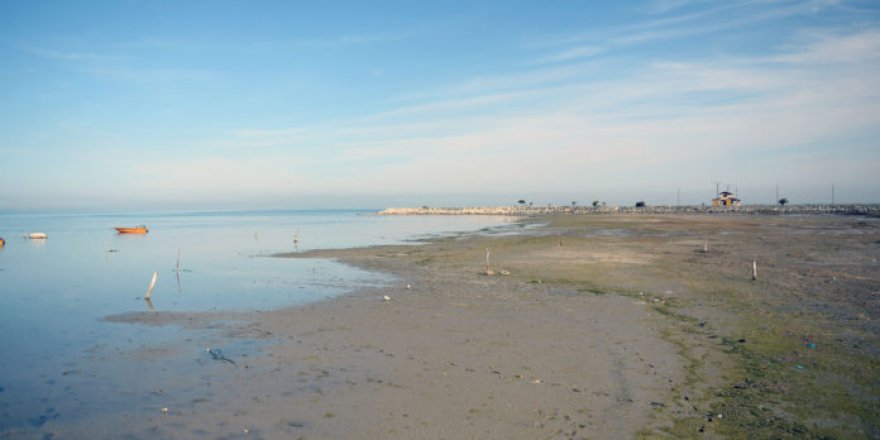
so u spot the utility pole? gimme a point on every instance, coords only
(777, 193)
(678, 197)
(832, 193)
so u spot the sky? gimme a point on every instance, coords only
(141, 104)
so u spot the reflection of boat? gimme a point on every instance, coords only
(140, 229)
(38, 236)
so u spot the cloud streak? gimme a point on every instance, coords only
(728, 16)
(654, 120)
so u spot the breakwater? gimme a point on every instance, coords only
(535, 211)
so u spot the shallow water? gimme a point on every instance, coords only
(59, 360)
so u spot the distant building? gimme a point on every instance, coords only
(726, 198)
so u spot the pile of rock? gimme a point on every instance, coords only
(534, 211)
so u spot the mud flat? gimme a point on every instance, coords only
(635, 326)
(589, 327)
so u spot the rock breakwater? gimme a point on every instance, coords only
(534, 211)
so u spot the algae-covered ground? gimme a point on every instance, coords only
(793, 353)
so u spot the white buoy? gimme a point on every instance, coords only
(152, 284)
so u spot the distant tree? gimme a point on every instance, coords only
(521, 202)
(640, 204)
(783, 201)
(574, 203)
(595, 203)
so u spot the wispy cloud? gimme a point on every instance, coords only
(573, 54)
(149, 75)
(664, 6)
(656, 118)
(857, 48)
(57, 55)
(709, 20)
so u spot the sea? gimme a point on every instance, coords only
(62, 361)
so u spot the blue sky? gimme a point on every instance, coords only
(261, 104)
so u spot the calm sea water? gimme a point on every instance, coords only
(55, 292)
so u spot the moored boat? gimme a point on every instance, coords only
(141, 229)
(38, 236)
(2, 242)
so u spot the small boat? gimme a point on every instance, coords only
(141, 229)
(2, 242)
(38, 236)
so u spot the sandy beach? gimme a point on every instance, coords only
(596, 328)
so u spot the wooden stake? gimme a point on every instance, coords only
(178, 260)
(706, 246)
(152, 284)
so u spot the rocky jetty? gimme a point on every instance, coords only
(533, 211)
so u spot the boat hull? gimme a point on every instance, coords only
(138, 230)
(38, 236)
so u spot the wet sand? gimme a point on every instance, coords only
(601, 327)
(458, 355)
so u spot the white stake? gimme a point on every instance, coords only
(488, 271)
(706, 246)
(152, 284)
(754, 270)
